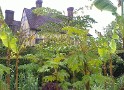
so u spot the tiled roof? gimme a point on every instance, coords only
(37, 21)
(14, 25)
(17, 23)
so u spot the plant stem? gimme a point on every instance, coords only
(16, 80)
(8, 65)
(73, 77)
(110, 64)
(123, 42)
(104, 68)
(87, 85)
(56, 71)
(105, 85)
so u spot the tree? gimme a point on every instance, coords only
(82, 22)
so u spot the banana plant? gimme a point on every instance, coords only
(106, 48)
(108, 6)
(10, 42)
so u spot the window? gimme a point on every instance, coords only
(38, 40)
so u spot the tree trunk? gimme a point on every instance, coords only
(16, 80)
(8, 65)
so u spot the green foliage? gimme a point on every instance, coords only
(75, 31)
(28, 67)
(73, 60)
(3, 50)
(113, 46)
(120, 82)
(83, 22)
(49, 78)
(112, 31)
(95, 66)
(115, 36)
(4, 69)
(28, 81)
(102, 52)
(53, 65)
(46, 11)
(28, 78)
(120, 23)
(3, 85)
(79, 85)
(65, 85)
(7, 38)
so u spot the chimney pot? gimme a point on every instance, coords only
(39, 3)
(70, 8)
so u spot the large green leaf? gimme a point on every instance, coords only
(120, 22)
(95, 66)
(104, 5)
(78, 85)
(98, 78)
(44, 68)
(13, 44)
(49, 78)
(9, 41)
(86, 78)
(4, 38)
(62, 75)
(115, 36)
(4, 69)
(113, 46)
(1, 17)
(73, 30)
(7, 38)
(102, 51)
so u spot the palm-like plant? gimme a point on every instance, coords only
(108, 5)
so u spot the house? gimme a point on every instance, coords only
(30, 22)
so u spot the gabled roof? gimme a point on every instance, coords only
(37, 21)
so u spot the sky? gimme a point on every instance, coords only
(103, 18)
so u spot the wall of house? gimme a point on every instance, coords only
(30, 35)
(25, 29)
(33, 37)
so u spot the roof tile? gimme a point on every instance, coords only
(36, 21)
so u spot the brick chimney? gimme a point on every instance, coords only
(9, 17)
(70, 12)
(39, 3)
